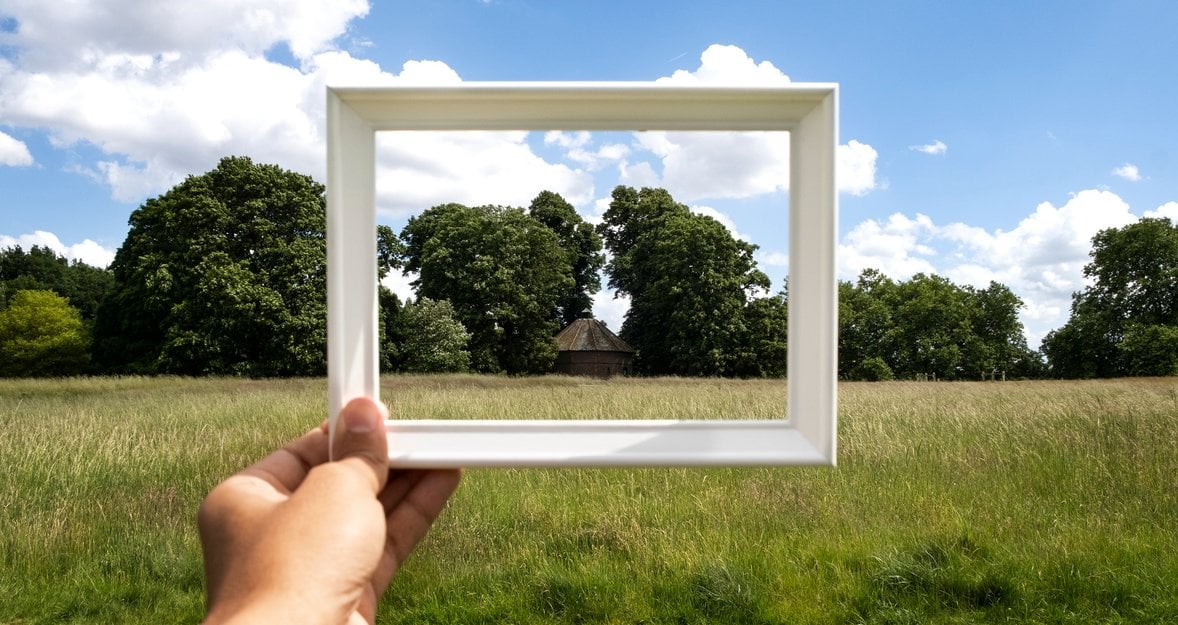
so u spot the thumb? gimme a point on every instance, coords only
(360, 439)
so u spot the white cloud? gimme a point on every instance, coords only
(637, 175)
(168, 100)
(418, 170)
(610, 309)
(398, 282)
(1128, 171)
(855, 167)
(1168, 210)
(87, 251)
(894, 247)
(699, 165)
(14, 152)
(97, 33)
(578, 148)
(772, 258)
(727, 65)
(1041, 259)
(936, 148)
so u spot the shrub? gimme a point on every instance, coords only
(42, 335)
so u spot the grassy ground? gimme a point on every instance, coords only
(1037, 502)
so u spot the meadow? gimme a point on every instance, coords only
(1028, 502)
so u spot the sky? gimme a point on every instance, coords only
(978, 141)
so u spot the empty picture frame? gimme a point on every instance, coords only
(808, 111)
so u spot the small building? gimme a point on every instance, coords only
(588, 348)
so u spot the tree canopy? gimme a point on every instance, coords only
(432, 340)
(223, 274)
(503, 271)
(42, 335)
(928, 326)
(581, 244)
(40, 268)
(1125, 322)
(690, 284)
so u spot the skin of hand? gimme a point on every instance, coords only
(296, 538)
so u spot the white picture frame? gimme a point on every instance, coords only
(806, 433)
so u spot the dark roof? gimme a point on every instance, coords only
(590, 335)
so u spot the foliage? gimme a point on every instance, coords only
(42, 335)
(433, 340)
(690, 283)
(928, 326)
(872, 369)
(1149, 349)
(1133, 296)
(766, 344)
(582, 245)
(40, 268)
(223, 274)
(502, 271)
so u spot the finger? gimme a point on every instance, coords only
(423, 496)
(361, 441)
(286, 468)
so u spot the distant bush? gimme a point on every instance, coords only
(872, 369)
(42, 335)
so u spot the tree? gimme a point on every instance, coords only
(582, 245)
(1134, 275)
(928, 325)
(689, 282)
(223, 274)
(766, 346)
(865, 317)
(40, 268)
(433, 340)
(42, 335)
(502, 271)
(1150, 349)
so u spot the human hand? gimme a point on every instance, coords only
(298, 539)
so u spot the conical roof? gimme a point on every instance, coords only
(590, 335)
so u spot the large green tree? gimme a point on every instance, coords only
(42, 335)
(1121, 323)
(504, 273)
(40, 268)
(223, 274)
(581, 244)
(689, 281)
(929, 326)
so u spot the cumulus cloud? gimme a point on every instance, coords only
(855, 167)
(102, 32)
(1128, 171)
(418, 170)
(936, 148)
(714, 165)
(87, 251)
(165, 90)
(1169, 210)
(727, 65)
(14, 152)
(1041, 259)
(894, 246)
(610, 309)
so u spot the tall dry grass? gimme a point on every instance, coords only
(1048, 502)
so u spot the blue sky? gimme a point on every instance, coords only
(980, 141)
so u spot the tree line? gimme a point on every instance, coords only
(225, 275)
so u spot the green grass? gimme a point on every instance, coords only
(1030, 502)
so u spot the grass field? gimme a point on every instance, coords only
(1029, 502)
